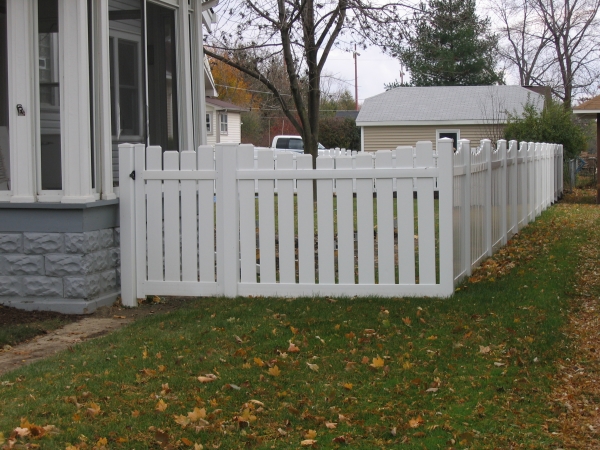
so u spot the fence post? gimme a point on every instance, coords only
(487, 154)
(140, 218)
(228, 241)
(127, 224)
(466, 219)
(446, 210)
(501, 146)
(513, 184)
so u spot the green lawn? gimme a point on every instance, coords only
(471, 371)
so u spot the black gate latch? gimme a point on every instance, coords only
(132, 175)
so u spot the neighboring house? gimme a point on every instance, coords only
(405, 115)
(223, 122)
(590, 109)
(78, 78)
(349, 114)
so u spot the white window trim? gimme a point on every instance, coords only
(118, 34)
(447, 130)
(221, 123)
(209, 116)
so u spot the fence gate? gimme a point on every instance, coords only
(231, 221)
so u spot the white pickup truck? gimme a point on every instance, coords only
(287, 143)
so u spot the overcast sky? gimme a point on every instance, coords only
(374, 70)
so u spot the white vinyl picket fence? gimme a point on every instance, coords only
(216, 222)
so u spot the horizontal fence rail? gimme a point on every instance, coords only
(230, 220)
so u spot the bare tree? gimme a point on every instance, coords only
(253, 33)
(525, 41)
(552, 42)
(574, 31)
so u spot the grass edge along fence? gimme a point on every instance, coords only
(203, 223)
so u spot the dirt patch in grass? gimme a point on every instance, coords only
(28, 336)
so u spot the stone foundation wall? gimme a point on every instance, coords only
(68, 272)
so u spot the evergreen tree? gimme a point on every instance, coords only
(450, 46)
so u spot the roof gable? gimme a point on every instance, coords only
(446, 104)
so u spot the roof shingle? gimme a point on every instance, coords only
(446, 104)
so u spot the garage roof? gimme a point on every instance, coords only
(445, 105)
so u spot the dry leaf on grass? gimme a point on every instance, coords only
(207, 378)
(161, 405)
(377, 362)
(274, 371)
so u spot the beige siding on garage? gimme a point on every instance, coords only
(389, 137)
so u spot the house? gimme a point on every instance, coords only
(78, 78)
(405, 115)
(590, 109)
(223, 122)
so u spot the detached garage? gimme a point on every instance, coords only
(405, 115)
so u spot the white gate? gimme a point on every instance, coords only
(191, 226)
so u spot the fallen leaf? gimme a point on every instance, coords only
(207, 378)
(135, 413)
(377, 362)
(499, 364)
(483, 349)
(118, 317)
(310, 434)
(274, 371)
(281, 432)
(339, 439)
(198, 447)
(161, 405)
(308, 442)
(406, 321)
(196, 414)
(365, 360)
(186, 441)
(313, 367)
(93, 410)
(350, 335)
(293, 348)
(22, 432)
(182, 420)
(259, 362)
(257, 402)
(432, 389)
(348, 386)
(393, 431)
(414, 423)
(331, 425)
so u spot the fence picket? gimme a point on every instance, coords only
(266, 220)
(306, 224)
(426, 217)
(245, 157)
(364, 222)
(406, 221)
(385, 221)
(189, 215)
(206, 215)
(285, 210)
(171, 219)
(325, 243)
(154, 207)
(345, 224)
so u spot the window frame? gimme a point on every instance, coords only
(209, 123)
(447, 130)
(221, 123)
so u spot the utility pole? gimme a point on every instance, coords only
(355, 55)
(401, 75)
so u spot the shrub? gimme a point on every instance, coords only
(339, 132)
(553, 124)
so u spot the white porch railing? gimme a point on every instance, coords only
(215, 222)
